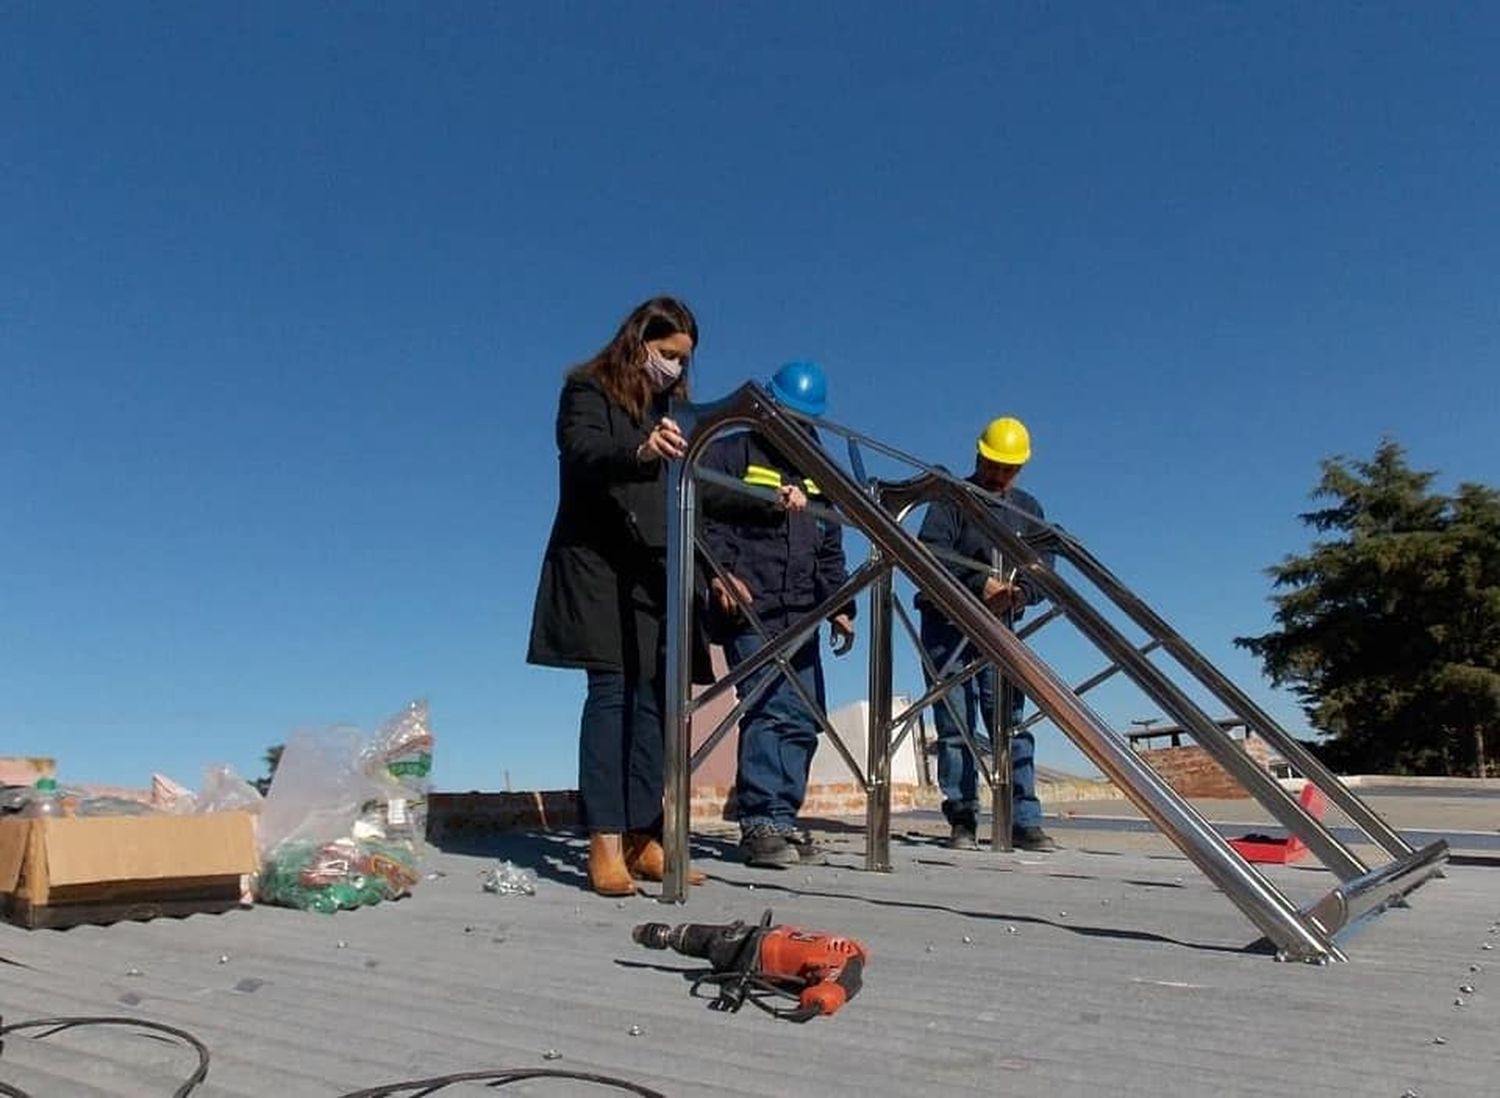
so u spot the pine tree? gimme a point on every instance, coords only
(272, 759)
(1467, 687)
(1389, 627)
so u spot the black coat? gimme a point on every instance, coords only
(601, 600)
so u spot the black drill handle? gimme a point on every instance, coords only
(852, 978)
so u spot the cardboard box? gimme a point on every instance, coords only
(57, 872)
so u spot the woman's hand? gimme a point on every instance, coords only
(664, 441)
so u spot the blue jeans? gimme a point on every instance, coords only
(620, 745)
(958, 776)
(778, 736)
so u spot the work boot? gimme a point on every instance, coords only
(964, 836)
(963, 823)
(1033, 839)
(607, 872)
(765, 847)
(808, 851)
(647, 861)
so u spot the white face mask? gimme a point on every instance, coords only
(661, 372)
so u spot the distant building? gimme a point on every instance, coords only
(1192, 771)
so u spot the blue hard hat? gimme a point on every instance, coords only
(802, 387)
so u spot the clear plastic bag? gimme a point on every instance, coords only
(171, 796)
(343, 874)
(225, 791)
(342, 825)
(319, 789)
(401, 752)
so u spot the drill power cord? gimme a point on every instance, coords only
(735, 989)
(740, 985)
(494, 1078)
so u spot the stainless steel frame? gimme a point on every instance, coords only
(1256, 718)
(875, 509)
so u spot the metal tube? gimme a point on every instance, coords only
(1002, 777)
(1035, 624)
(781, 645)
(960, 717)
(902, 729)
(824, 513)
(1002, 780)
(731, 719)
(954, 657)
(1256, 718)
(1352, 901)
(677, 714)
(857, 462)
(1089, 683)
(935, 692)
(878, 735)
(861, 578)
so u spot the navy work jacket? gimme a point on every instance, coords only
(948, 528)
(790, 560)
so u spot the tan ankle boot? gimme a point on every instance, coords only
(607, 872)
(647, 861)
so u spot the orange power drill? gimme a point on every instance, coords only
(821, 971)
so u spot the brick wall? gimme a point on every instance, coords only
(1193, 772)
(452, 815)
(711, 803)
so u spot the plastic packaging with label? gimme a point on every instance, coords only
(342, 826)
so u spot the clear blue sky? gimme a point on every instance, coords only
(286, 292)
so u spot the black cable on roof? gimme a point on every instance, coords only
(57, 1025)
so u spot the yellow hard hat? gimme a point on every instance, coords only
(1006, 441)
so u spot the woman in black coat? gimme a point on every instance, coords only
(601, 602)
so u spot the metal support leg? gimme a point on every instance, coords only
(677, 712)
(878, 736)
(1002, 786)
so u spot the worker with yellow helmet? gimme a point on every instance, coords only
(1002, 450)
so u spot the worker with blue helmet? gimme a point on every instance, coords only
(800, 386)
(778, 563)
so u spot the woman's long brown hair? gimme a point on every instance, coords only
(617, 367)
